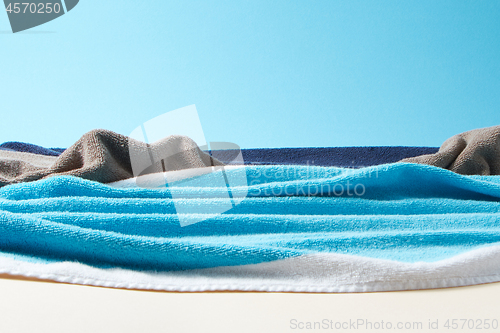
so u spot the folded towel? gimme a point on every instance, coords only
(31, 148)
(388, 227)
(102, 156)
(350, 157)
(346, 157)
(475, 152)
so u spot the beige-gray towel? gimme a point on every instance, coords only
(475, 152)
(105, 156)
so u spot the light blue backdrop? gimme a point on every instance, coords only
(261, 73)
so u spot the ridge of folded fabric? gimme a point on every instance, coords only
(103, 156)
(350, 157)
(31, 148)
(475, 152)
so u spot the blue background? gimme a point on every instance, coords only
(262, 74)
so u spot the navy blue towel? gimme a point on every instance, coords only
(31, 148)
(346, 157)
(354, 157)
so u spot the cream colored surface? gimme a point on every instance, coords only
(29, 306)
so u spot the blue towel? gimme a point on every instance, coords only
(403, 212)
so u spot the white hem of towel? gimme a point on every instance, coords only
(321, 272)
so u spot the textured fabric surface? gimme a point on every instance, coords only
(475, 152)
(104, 156)
(31, 148)
(317, 272)
(345, 157)
(325, 156)
(402, 212)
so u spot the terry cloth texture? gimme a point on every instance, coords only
(104, 156)
(346, 157)
(299, 228)
(31, 148)
(475, 152)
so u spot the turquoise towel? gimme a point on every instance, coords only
(403, 212)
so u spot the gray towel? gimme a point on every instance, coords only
(475, 152)
(105, 156)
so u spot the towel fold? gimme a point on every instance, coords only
(103, 156)
(475, 152)
(31, 148)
